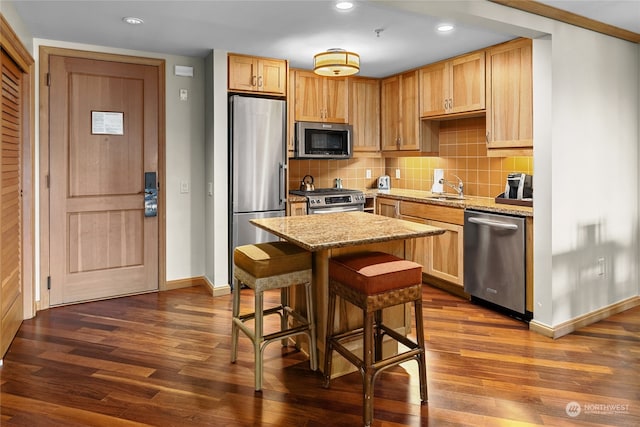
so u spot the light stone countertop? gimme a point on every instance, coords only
(342, 229)
(486, 204)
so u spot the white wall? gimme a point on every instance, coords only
(12, 17)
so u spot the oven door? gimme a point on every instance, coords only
(334, 209)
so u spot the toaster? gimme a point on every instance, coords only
(384, 182)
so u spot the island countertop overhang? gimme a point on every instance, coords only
(342, 229)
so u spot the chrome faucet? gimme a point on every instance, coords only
(459, 189)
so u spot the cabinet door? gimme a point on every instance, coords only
(509, 100)
(335, 100)
(434, 89)
(390, 117)
(297, 208)
(364, 113)
(445, 261)
(387, 207)
(409, 115)
(272, 76)
(467, 83)
(308, 97)
(418, 249)
(243, 74)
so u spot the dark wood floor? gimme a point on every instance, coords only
(163, 359)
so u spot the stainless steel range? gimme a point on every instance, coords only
(330, 200)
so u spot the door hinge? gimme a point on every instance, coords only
(48, 283)
(47, 176)
(48, 79)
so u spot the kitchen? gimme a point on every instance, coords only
(559, 127)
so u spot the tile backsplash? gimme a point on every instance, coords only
(463, 153)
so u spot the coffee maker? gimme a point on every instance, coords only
(519, 186)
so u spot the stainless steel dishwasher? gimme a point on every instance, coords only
(494, 259)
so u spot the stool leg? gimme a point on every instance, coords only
(284, 317)
(328, 346)
(379, 333)
(235, 313)
(368, 351)
(422, 363)
(257, 339)
(313, 348)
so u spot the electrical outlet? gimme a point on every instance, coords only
(397, 173)
(184, 187)
(367, 174)
(601, 267)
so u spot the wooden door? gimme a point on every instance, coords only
(309, 97)
(336, 100)
(364, 113)
(390, 117)
(409, 114)
(510, 95)
(104, 136)
(272, 76)
(434, 84)
(11, 253)
(467, 83)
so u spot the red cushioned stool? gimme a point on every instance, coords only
(373, 281)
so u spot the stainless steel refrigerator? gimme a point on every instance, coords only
(258, 155)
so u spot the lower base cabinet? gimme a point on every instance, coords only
(441, 256)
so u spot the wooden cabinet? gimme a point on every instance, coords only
(364, 113)
(455, 86)
(297, 208)
(510, 99)
(441, 256)
(387, 207)
(399, 121)
(255, 74)
(320, 99)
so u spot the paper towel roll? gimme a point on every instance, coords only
(438, 174)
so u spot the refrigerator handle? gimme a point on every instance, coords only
(283, 175)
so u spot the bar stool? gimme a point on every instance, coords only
(373, 281)
(265, 266)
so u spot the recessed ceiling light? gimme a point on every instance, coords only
(443, 28)
(344, 5)
(132, 20)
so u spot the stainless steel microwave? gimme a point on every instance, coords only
(323, 141)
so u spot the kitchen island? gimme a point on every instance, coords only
(332, 234)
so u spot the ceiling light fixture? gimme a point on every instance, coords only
(133, 20)
(336, 63)
(443, 28)
(344, 5)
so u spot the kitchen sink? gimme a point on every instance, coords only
(446, 197)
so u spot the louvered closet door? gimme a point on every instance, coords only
(10, 203)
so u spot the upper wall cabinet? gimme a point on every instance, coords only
(320, 99)
(399, 121)
(254, 74)
(510, 99)
(364, 113)
(454, 86)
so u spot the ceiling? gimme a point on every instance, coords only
(293, 30)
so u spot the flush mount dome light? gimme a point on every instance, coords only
(336, 63)
(344, 5)
(444, 28)
(133, 20)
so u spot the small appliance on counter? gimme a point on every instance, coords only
(384, 182)
(518, 190)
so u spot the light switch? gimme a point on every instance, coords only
(398, 173)
(184, 94)
(210, 188)
(367, 174)
(184, 186)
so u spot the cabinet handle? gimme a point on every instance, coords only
(253, 81)
(450, 103)
(487, 137)
(259, 81)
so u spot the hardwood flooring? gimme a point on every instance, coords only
(163, 359)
